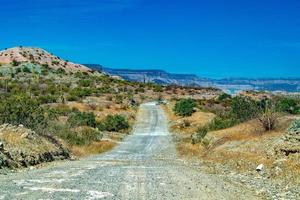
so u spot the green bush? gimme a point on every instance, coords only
(22, 109)
(243, 109)
(79, 92)
(61, 71)
(85, 83)
(77, 118)
(184, 107)
(44, 99)
(15, 63)
(114, 123)
(26, 70)
(221, 123)
(288, 105)
(80, 136)
(72, 98)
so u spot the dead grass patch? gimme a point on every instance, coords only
(93, 148)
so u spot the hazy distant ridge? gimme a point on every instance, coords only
(227, 84)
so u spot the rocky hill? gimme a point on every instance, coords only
(18, 55)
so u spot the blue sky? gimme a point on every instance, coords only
(215, 38)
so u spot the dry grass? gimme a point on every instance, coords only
(198, 119)
(15, 140)
(243, 147)
(94, 148)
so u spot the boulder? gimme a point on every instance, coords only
(260, 167)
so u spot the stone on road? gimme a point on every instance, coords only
(144, 166)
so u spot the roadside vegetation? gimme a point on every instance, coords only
(88, 112)
(84, 110)
(240, 132)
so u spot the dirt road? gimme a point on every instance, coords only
(144, 166)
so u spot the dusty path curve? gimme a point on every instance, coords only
(144, 166)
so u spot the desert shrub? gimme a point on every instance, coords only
(18, 70)
(206, 143)
(140, 90)
(45, 66)
(199, 135)
(80, 136)
(79, 92)
(22, 109)
(184, 107)
(79, 75)
(288, 105)
(61, 71)
(26, 70)
(268, 118)
(243, 109)
(114, 123)
(44, 99)
(85, 83)
(157, 88)
(54, 62)
(221, 122)
(119, 99)
(72, 98)
(77, 118)
(224, 96)
(15, 63)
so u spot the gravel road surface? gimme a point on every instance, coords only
(144, 166)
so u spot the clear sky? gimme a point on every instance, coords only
(212, 38)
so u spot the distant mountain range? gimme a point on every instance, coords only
(230, 85)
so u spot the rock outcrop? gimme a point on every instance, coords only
(291, 141)
(21, 147)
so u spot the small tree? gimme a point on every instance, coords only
(184, 107)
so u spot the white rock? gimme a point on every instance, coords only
(260, 167)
